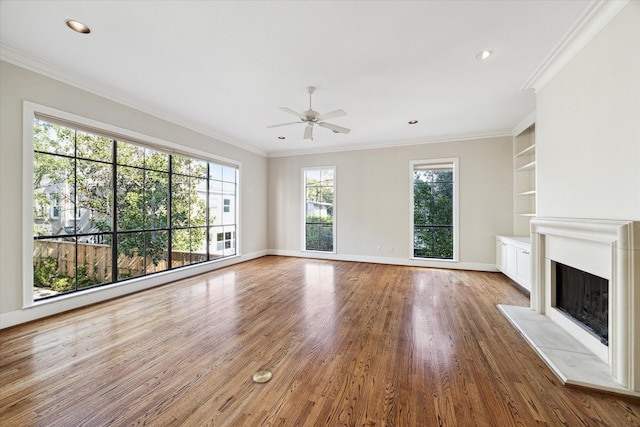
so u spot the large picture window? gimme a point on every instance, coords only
(319, 190)
(434, 207)
(107, 209)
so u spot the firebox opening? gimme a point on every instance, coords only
(584, 297)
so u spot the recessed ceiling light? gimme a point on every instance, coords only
(412, 122)
(281, 137)
(77, 26)
(483, 55)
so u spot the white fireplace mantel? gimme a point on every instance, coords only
(606, 248)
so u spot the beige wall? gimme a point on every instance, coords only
(372, 199)
(372, 189)
(16, 85)
(588, 128)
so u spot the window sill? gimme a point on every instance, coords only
(133, 284)
(318, 252)
(433, 259)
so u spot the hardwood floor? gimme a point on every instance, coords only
(349, 344)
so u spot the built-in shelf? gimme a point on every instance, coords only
(524, 180)
(530, 165)
(529, 150)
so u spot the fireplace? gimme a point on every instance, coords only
(584, 298)
(599, 261)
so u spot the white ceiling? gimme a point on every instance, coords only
(223, 68)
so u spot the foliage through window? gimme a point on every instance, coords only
(433, 210)
(319, 224)
(106, 210)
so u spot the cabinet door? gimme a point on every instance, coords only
(523, 265)
(511, 267)
(501, 255)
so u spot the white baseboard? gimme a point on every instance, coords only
(452, 265)
(91, 296)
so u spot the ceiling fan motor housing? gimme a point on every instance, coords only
(311, 115)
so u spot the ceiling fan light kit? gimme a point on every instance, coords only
(312, 117)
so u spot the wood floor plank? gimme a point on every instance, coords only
(349, 344)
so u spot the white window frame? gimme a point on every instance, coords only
(29, 110)
(303, 240)
(455, 162)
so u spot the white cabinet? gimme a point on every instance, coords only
(523, 267)
(501, 255)
(513, 258)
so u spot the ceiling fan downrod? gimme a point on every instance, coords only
(310, 89)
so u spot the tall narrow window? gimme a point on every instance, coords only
(434, 207)
(222, 211)
(319, 190)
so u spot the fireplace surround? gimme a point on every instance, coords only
(609, 249)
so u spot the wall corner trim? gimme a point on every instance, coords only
(588, 25)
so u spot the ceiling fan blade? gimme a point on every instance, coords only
(283, 124)
(308, 132)
(335, 128)
(331, 115)
(290, 111)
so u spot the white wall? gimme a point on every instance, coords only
(588, 128)
(372, 200)
(17, 85)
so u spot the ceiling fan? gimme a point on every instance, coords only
(311, 117)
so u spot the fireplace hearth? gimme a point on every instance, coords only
(604, 355)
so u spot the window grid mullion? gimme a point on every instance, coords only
(76, 209)
(114, 212)
(170, 216)
(146, 245)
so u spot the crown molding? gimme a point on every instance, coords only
(526, 119)
(408, 142)
(591, 22)
(22, 60)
